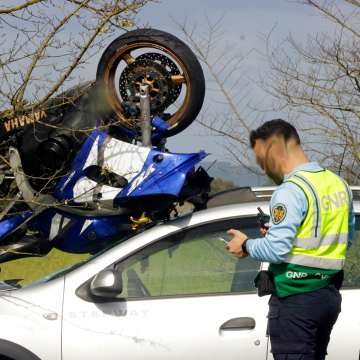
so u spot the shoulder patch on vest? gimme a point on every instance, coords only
(278, 213)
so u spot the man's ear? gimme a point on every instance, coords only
(276, 152)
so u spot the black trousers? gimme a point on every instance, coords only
(300, 325)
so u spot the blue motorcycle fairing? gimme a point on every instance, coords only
(76, 234)
(156, 182)
(164, 177)
(9, 225)
(64, 190)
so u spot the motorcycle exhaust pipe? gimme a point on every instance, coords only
(145, 116)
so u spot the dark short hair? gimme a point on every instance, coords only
(276, 127)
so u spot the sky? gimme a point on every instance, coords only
(242, 23)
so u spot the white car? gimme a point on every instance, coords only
(172, 292)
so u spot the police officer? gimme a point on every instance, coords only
(311, 226)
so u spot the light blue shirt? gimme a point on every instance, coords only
(277, 242)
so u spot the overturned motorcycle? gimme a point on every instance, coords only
(82, 182)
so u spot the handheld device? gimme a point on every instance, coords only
(260, 217)
(224, 239)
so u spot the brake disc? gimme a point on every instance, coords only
(142, 72)
(167, 64)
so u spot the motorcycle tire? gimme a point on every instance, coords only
(192, 75)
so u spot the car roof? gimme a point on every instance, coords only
(247, 195)
(241, 195)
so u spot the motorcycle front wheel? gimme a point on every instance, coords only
(162, 61)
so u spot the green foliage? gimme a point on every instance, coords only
(220, 184)
(31, 269)
(352, 268)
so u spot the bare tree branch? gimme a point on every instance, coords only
(321, 82)
(229, 85)
(17, 8)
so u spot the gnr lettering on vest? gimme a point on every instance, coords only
(338, 201)
(296, 275)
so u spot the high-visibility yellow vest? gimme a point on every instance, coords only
(319, 247)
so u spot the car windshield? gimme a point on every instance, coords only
(62, 272)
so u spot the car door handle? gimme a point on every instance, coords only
(242, 323)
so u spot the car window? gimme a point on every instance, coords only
(192, 261)
(352, 268)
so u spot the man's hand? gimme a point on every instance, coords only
(234, 245)
(264, 231)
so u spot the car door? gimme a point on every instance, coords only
(184, 296)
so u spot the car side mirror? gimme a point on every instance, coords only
(107, 283)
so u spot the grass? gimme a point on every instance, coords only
(31, 269)
(191, 267)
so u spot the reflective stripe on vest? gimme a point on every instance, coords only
(316, 227)
(314, 242)
(322, 238)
